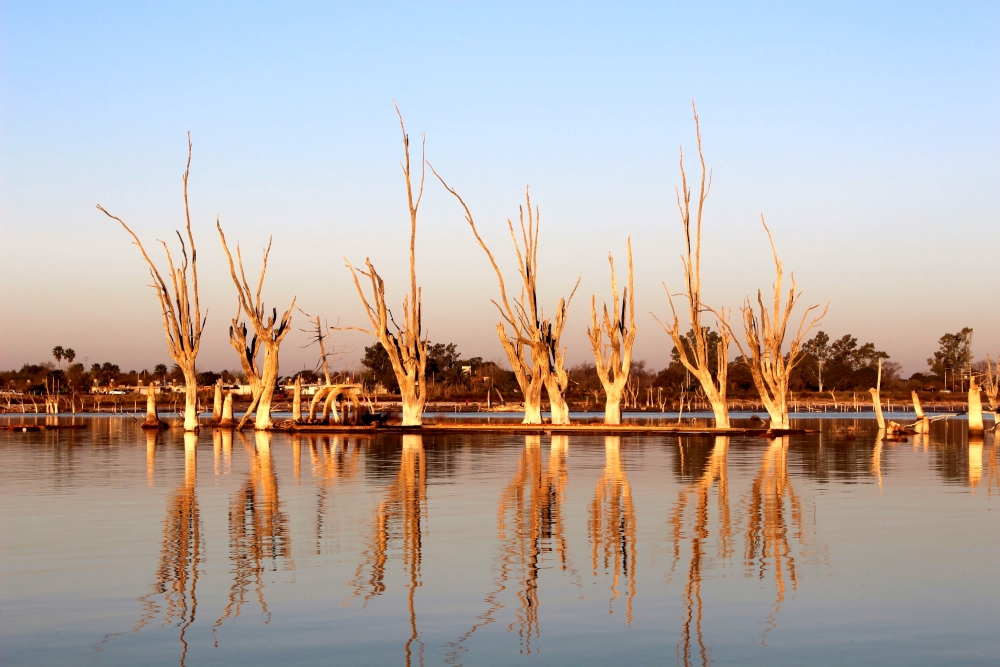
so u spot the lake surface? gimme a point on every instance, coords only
(126, 548)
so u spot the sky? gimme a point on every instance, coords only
(866, 133)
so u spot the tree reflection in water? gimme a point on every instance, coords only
(330, 463)
(529, 524)
(767, 537)
(258, 530)
(715, 472)
(612, 524)
(399, 516)
(181, 554)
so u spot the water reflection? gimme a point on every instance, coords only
(259, 537)
(399, 518)
(181, 552)
(331, 463)
(529, 525)
(714, 472)
(612, 525)
(771, 500)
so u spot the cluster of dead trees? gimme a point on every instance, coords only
(531, 339)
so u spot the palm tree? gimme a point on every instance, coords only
(58, 353)
(69, 355)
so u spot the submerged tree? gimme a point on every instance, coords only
(765, 331)
(407, 351)
(270, 331)
(182, 326)
(693, 349)
(533, 345)
(614, 358)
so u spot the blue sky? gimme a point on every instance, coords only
(867, 133)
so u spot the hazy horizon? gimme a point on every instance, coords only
(867, 135)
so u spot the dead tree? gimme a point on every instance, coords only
(693, 348)
(182, 327)
(614, 358)
(992, 383)
(407, 351)
(269, 332)
(765, 333)
(532, 345)
(975, 407)
(876, 393)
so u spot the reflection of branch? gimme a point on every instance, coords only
(258, 531)
(529, 523)
(612, 524)
(767, 528)
(399, 514)
(176, 578)
(715, 471)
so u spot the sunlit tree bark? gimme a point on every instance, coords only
(693, 348)
(765, 332)
(612, 525)
(268, 329)
(992, 383)
(614, 358)
(975, 408)
(182, 321)
(532, 345)
(407, 351)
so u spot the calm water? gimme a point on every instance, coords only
(122, 548)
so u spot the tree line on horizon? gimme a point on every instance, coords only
(774, 356)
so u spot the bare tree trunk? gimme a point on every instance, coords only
(190, 398)
(693, 349)
(992, 382)
(975, 408)
(297, 400)
(182, 327)
(877, 406)
(406, 349)
(770, 367)
(227, 411)
(533, 347)
(614, 359)
(268, 383)
(217, 403)
(270, 331)
(152, 420)
(923, 424)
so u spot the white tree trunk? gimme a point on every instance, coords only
(877, 404)
(413, 405)
(268, 382)
(532, 404)
(613, 406)
(190, 399)
(217, 403)
(721, 410)
(557, 404)
(297, 402)
(778, 412)
(975, 409)
(227, 411)
(923, 424)
(152, 420)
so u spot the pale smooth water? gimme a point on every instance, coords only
(126, 548)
